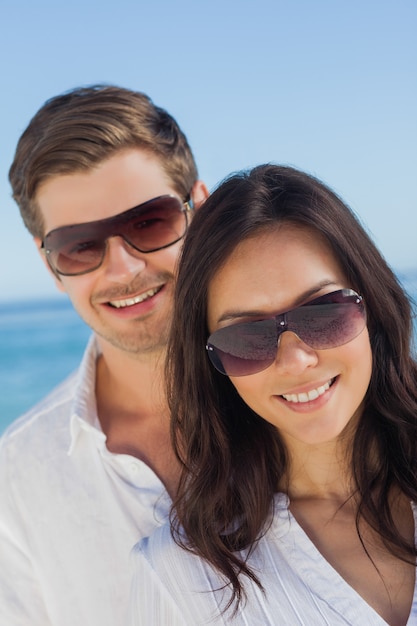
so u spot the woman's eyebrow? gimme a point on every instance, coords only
(233, 314)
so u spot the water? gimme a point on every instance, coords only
(42, 342)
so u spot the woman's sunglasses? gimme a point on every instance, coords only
(326, 322)
(81, 248)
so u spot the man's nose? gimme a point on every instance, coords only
(121, 260)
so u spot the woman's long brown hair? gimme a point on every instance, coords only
(232, 459)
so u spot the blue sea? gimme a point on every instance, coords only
(42, 342)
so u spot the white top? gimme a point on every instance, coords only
(173, 587)
(70, 513)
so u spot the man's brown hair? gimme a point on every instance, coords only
(79, 129)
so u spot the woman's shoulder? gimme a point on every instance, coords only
(176, 581)
(174, 565)
(158, 547)
(162, 551)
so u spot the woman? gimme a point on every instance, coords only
(294, 401)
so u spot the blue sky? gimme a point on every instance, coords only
(329, 86)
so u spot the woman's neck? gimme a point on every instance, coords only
(320, 471)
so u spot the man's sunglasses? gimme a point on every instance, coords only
(326, 322)
(80, 248)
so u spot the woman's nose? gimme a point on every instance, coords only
(293, 355)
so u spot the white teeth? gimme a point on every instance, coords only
(119, 304)
(310, 395)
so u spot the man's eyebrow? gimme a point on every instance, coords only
(233, 314)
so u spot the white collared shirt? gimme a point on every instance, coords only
(173, 587)
(70, 512)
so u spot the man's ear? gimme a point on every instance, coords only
(199, 193)
(58, 283)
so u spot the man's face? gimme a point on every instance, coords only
(127, 301)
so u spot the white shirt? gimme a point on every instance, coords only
(173, 587)
(70, 513)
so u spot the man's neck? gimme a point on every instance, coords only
(132, 409)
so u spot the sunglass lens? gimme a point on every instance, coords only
(243, 349)
(159, 224)
(76, 257)
(330, 321)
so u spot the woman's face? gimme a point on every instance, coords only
(271, 273)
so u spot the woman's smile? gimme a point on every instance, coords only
(308, 396)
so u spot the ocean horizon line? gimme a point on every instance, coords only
(35, 302)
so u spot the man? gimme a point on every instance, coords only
(105, 182)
